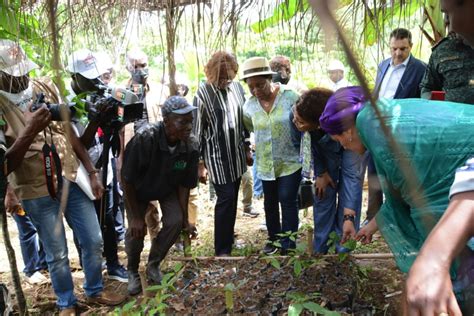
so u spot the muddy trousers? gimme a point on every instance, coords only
(172, 220)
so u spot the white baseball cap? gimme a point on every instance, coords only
(13, 59)
(86, 63)
(335, 65)
(104, 60)
(133, 56)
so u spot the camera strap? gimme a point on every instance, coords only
(52, 167)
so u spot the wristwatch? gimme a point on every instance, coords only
(349, 217)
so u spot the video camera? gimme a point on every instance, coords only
(125, 105)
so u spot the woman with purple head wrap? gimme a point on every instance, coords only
(339, 117)
(435, 138)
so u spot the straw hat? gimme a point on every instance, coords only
(256, 66)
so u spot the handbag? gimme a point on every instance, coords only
(305, 194)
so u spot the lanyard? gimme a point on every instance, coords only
(52, 167)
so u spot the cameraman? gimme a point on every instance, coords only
(29, 136)
(152, 94)
(86, 70)
(160, 163)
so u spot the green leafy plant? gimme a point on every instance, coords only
(157, 304)
(334, 240)
(229, 291)
(301, 302)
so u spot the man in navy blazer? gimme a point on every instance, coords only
(398, 77)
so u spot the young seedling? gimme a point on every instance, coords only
(300, 302)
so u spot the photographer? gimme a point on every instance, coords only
(86, 70)
(160, 163)
(32, 136)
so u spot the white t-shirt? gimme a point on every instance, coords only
(340, 84)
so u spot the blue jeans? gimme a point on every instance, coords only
(328, 212)
(282, 191)
(31, 247)
(81, 217)
(108, 230)
(257, 182)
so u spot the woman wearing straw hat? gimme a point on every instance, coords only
(266, 113)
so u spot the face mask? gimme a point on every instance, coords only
(82, 84)
(22, 99)
(278, 78)
(140, 75)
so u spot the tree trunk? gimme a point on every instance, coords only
(52, 6)
(170, 44)
(8, 245)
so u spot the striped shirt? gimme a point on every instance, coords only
(220, 130)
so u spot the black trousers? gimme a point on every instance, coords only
(172, 220)
(225, 213)
(109, 234)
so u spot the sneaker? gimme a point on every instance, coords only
(106, 298)
(134, 286)
(250, 212)
(270, 249)
(117, 272)
(36, 278)
(153, 274)
(179, 246)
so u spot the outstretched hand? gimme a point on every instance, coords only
(429, 290)
(365, 233)
(191, 231)
(348, 231)
(202, 173)
(322, 181)
(37, 120)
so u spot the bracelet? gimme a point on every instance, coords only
(349, 217)
(93, 171)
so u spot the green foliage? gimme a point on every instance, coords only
(300, 302)
(283, 12)
(156, 305)
(434, 14)
(375, 23)
(333, 241)
(229, 291)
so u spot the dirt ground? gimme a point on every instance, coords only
(253, 285)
